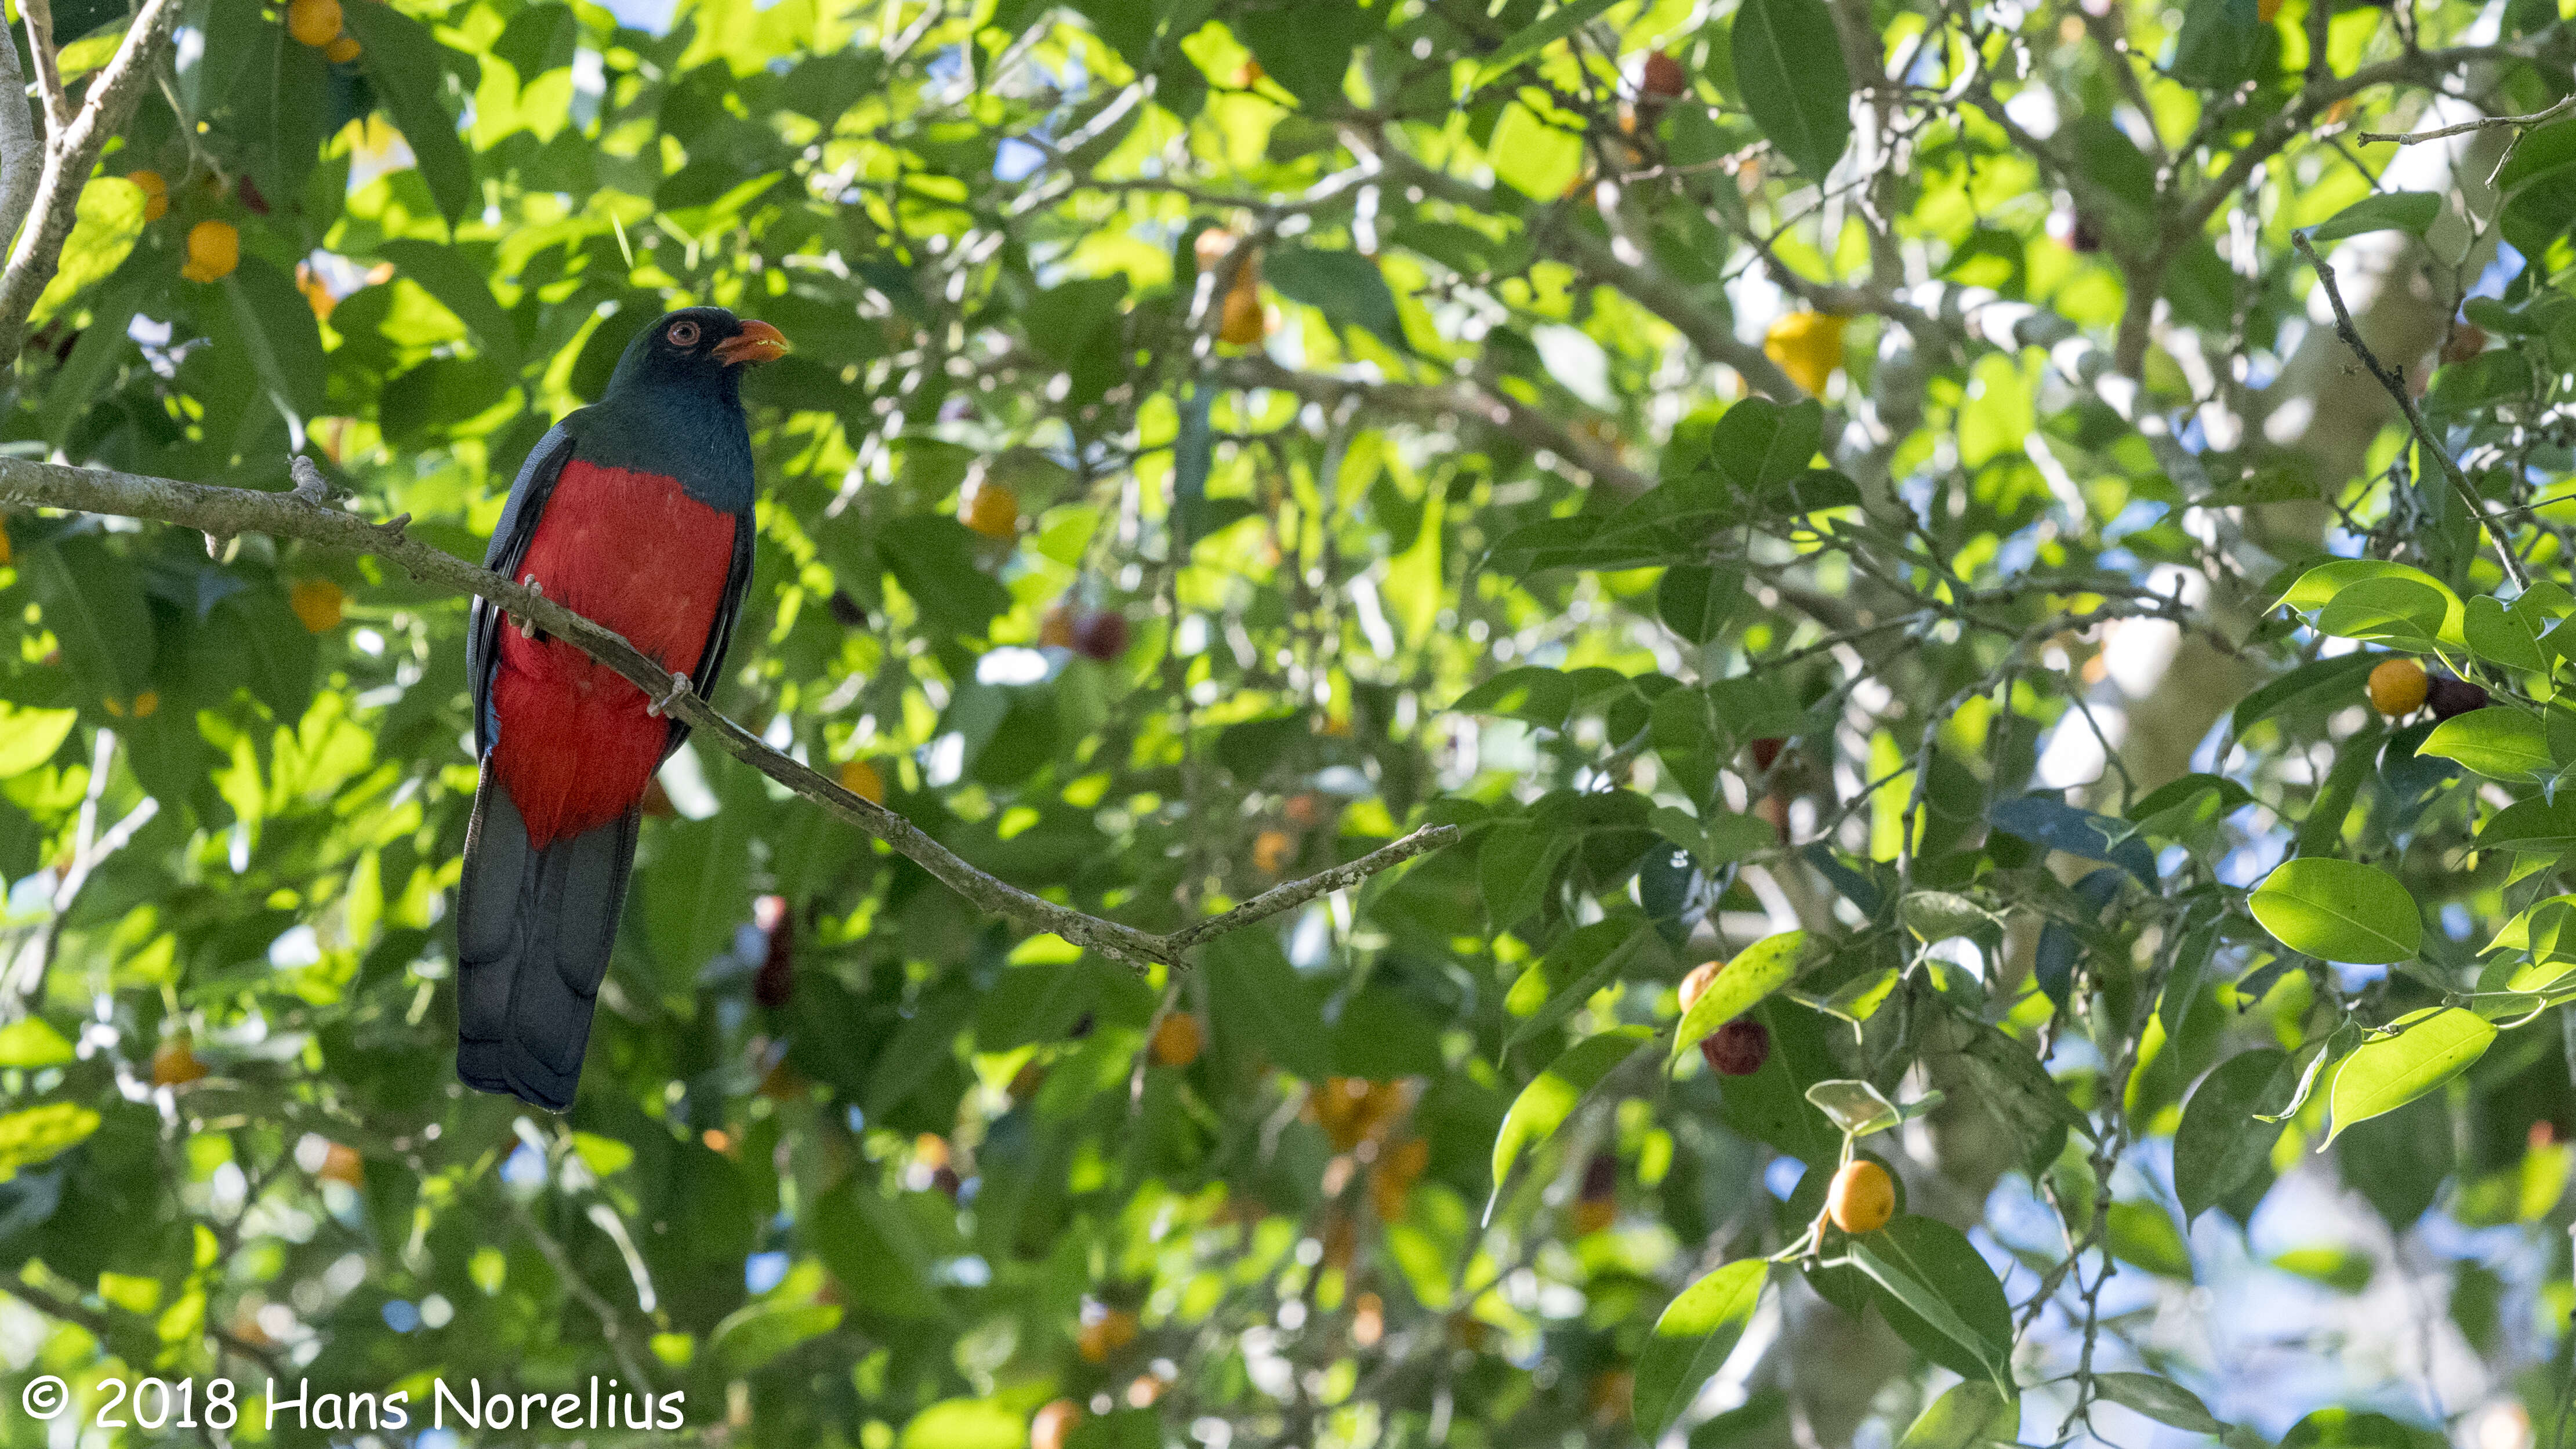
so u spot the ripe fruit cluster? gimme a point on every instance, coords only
(1737, 1049)
(2401, 687)
(317, 23)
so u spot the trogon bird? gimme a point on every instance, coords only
(635, 512)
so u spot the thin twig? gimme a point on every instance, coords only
(223, 512)
(70, 151)
(49, 72)
(2395, 383)
(2482, 123)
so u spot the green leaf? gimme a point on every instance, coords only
(39, 1134)
(2541, 825)
(965, 1424)
(2401, 613)
(1529, 692)
(277, 325)
(870, 1246)
(1346, 287)
(1860, 1109)
(2159, 1399)
(2322, 585)
(1756, 972)
(463, 288)
(1940, 915)
(1307, 46)
(31, 1042)
(2220, 1144)
(2323, 685)
(2499, 742)
(1940, 1295)
(93, 601)
(2504, 636)
(1530, 39)
(1550, 1098)
(1536, 159)
(106, 222)
(1789, 65)
(405, 62)
(2406, 211)
(29, 737)
(1972, 1414)
(2430, 1047)
(756, 1333)
(2339, 910)
(1698, 602)
(1692, 1338)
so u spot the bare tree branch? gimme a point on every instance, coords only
(70, 151)
(49, 74)
(2395, 383)
(2482, 123)
(22, 156)
(304, 515)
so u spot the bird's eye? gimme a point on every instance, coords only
(684, 334)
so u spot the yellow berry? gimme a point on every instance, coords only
(156, 193)
(175, 1064)
(1106, 1335)
(1272, 850)
(214, 249)
(341, 51)
(1243, 321)
(993, 511)
(862, 779)
(1177, 1040)
(314, 22)
(1808, 346)
(147, 704)
(1862, 1198)
(2398, 687)
(317, 602)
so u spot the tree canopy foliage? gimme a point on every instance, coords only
(2031, 532)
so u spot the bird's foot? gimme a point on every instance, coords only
(528, 627)
(679, 686)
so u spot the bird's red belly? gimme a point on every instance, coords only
(636, 553)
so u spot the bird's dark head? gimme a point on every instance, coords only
(697, 349)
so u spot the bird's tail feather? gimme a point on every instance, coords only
(533, 932)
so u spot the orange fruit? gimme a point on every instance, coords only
(4, 544)
(1397, 1170)
(1808, 346)
(343, 1165)
(314, 22)
(2267, 10)
(1862, 1198)
(147, 704)
(1242, 321)
(1608, 1394)
(862, 779)
(1054, 1424)
(1144, 1391)
(174, 1062)
(1590, 1216)
(156, 193)
(1055, 627)
(2399, 687)
(318, 603)
(1105, 1335)
(317, 293)
(1178, 1040)
(1212, 246)
(993, 511)
(214, 249)
(1272, 850)
(1368, 1320)
(341, 51)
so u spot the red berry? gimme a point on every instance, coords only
(1766, 751)
(1737, 1049)
(777, 979)
(1101, 635)
(1600, 1177)
(248, 191)
(1664, 76)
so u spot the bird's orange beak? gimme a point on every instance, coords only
(756, 342)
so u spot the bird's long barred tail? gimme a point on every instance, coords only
(534, 929)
